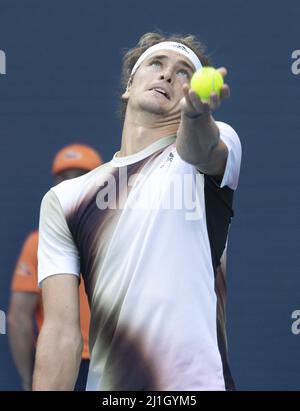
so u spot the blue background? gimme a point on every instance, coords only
(63, 85)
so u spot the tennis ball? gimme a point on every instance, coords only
(205, 81)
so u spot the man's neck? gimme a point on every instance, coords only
(140, 131)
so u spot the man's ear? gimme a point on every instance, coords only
(126, 94)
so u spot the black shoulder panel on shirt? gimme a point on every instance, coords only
(219, 211)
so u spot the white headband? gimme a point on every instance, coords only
(169, 45)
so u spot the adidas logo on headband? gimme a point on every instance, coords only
(169, 45)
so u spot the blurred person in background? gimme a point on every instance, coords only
(26, 309)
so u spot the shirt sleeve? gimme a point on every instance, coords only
(233, 164)
(25, 274)
(57, 252)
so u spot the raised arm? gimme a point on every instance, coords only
(60, 342)
(198, 138)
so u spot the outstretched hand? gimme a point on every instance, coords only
(193, 106)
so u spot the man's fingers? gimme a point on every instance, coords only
(195, 100)
(185, 89)
(223, 71)
(225, 91)
(189, 101)
(214, 101)
(192, 104)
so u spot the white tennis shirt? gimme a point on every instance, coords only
(146, 231)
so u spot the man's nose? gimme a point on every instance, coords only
(166, 75)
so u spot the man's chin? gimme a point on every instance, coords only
(153, 108)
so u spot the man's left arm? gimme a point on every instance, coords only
(198, 138)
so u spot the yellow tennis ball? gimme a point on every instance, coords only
(205, 81)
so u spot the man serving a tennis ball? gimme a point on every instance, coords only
(150, 267)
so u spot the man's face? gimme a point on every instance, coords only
(68, 174)
(157, 84)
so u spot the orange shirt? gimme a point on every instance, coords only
(25, 279)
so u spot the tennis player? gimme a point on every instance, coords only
(147, 230)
